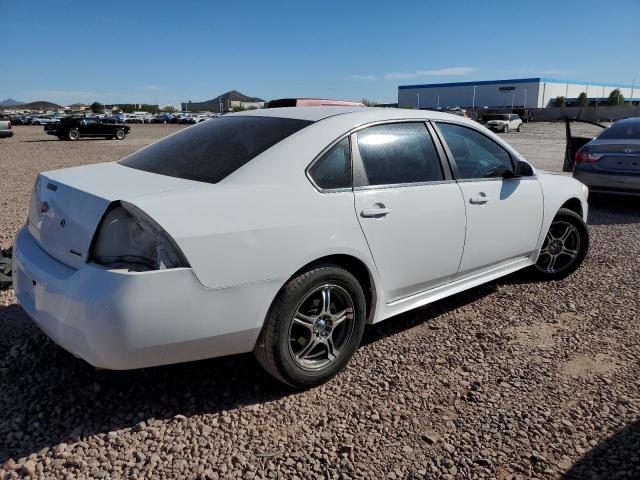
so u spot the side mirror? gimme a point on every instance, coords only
(523, 169)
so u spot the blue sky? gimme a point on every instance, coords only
(171, 51)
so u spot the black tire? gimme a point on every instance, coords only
(274, 349)
(120, 134)
(579, 242)
(505, 129)
(73, 134)
(520, 127)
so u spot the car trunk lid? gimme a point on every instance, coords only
(618, 156)
(67, 205)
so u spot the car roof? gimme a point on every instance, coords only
(357, 114)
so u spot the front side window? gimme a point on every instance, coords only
(475, 154)
(333, 169)
(210, 151)
(398, 153)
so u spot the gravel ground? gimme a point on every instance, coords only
(513, 379)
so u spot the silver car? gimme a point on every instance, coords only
(610, 163)
(5, 128)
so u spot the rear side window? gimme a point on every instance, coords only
(621, 131)
(212, 150)
(333, 169)
(398, 153)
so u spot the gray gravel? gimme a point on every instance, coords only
(509, 380)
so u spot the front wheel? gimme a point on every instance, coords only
(520, 127)
(564, 247)
(313, 328)
(73, 134)
(120, 134)
(505, 129)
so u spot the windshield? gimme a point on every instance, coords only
(212, 150)
(623, 130)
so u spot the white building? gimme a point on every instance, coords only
(513, 93)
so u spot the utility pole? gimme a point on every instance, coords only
(438, 102)
(513, 99)
(524, 105)
(473, 102)
(633, 87)
(418, 95)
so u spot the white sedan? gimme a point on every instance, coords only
(283, 232)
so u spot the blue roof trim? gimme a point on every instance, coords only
(517, 80)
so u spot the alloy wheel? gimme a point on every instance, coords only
(560, 249)
(321, 327)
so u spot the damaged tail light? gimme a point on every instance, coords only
(129, 238)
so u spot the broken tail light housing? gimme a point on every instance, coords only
(128, 238)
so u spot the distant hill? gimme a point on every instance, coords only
(10, 102)
(213, 105)
(39, 105)
(235, 95)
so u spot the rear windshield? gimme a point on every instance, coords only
(212, 150)
(622, 131)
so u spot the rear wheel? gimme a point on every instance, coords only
(73, 134)
(313, 327)
(120, 134)
(564, 247)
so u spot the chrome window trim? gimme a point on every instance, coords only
(401, 185)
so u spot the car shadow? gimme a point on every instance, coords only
(613, 210)
(426, 314)
(616, 457)
(48, 396)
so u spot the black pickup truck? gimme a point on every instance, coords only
(73, 128)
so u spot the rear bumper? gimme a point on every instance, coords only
(609, 183)
(121, 320)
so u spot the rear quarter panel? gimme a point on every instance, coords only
(263, 222)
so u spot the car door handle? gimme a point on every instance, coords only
(479, 200)
(379, 210)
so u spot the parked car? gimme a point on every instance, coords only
(73, 128)
(133, 119)
(43, 120)
(117, 119)
(457, 111)
(250, 233)
(163, 118)
(610, 162)
(5, 128)
(503, 122)
(186, 119)
(17, 120)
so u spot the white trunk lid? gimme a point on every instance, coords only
(67, 205)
